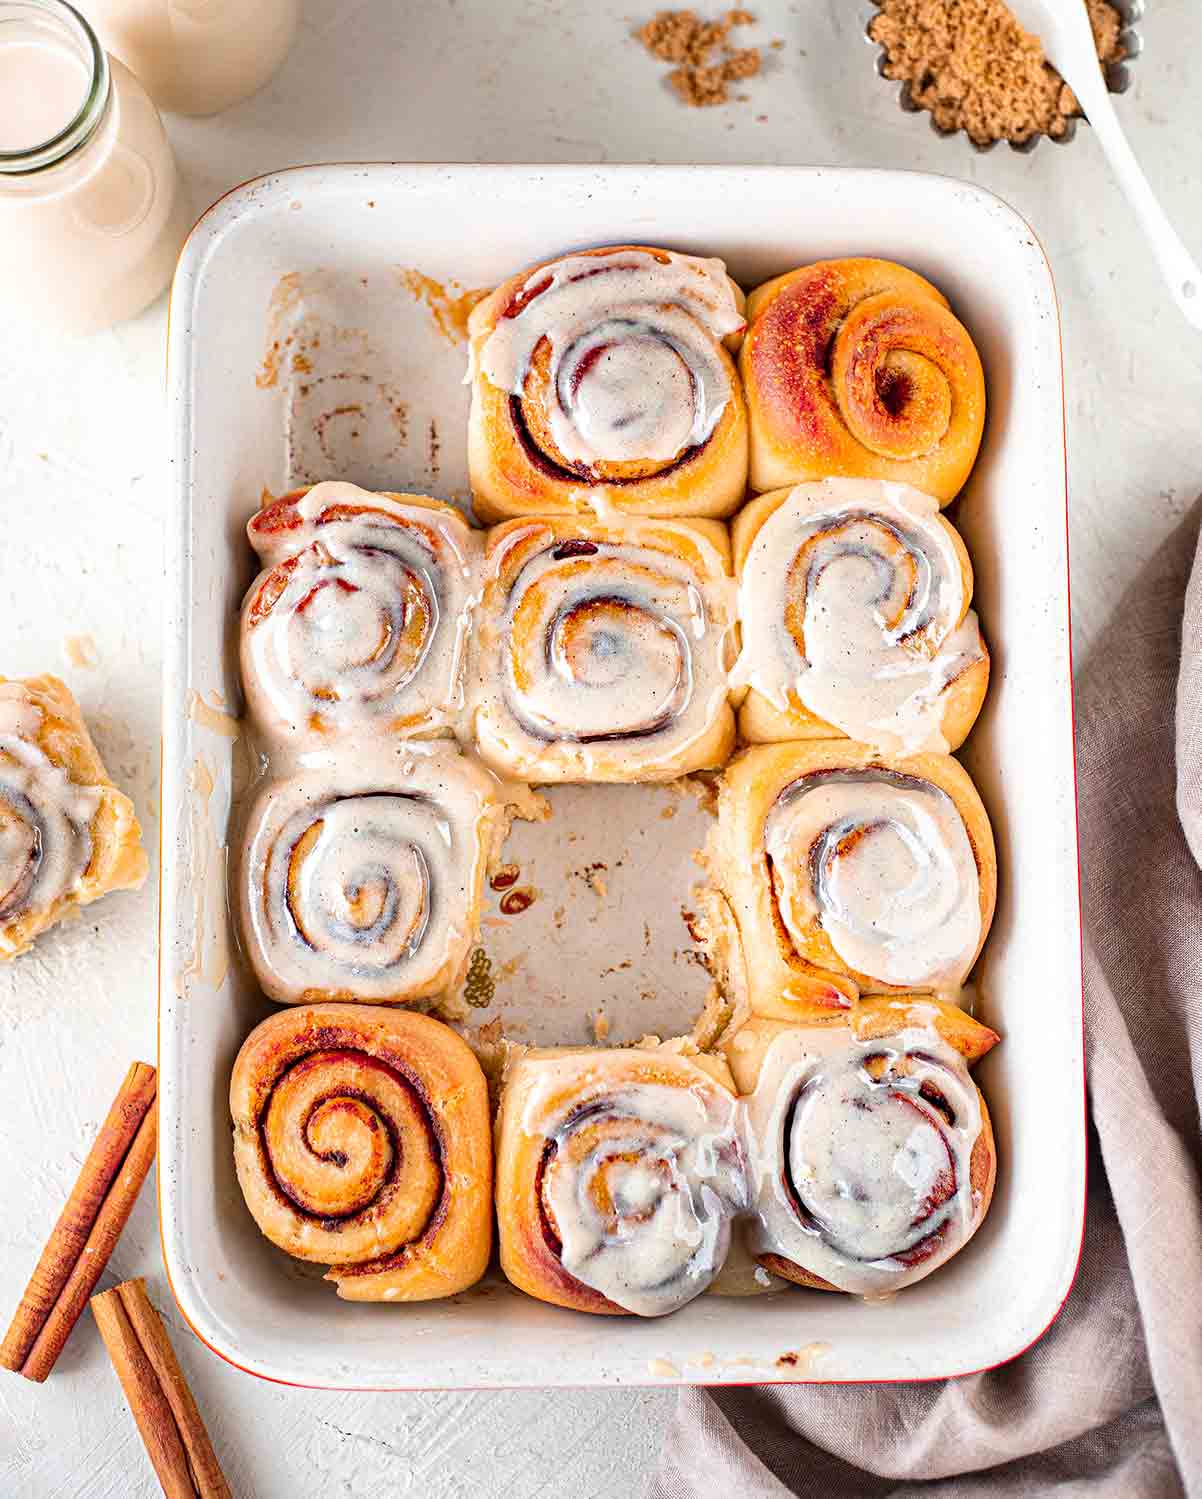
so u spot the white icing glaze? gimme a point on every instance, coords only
(877, 584)
(860, 1179)
(45, 816)
(643, 1183)
(604, 647)
(635, 369)
(884, 863)
(362, 873)
(372, 621)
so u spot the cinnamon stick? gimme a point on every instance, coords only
(166, 1414)
(87, 1229)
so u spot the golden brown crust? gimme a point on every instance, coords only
(362, 1139)
(516, 469)
(118, 860)
(505, 651)
(528, 1246)
(813, 985)
(761, 722)
(857, 367)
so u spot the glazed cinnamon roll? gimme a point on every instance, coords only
(854, 613)
(850, 872)
(67, 835)
(362, 874)
(360, 619)
(870, 1149)
(618, 1174)
(362, 1140)
(859, 368)
(600, 382)
(603, 649)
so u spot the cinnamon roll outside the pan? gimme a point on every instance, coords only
(67, 835)
(858, 368)
(870, 1150)
(602, 649)
(845, 872)
(362, 1141)
(602, 382)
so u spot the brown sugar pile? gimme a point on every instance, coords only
(973, 66)
(706, 61)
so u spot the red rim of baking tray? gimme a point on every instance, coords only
(679, 1383)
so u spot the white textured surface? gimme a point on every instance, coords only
(81, 488)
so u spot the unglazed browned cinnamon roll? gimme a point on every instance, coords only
(870, 1148)
(360, 620)
(600, 382)
(362, 1141)
(850, 872)
(362, 874)
(859, 368)
(854, 614)
(603, 649)
(67, 835)
(618, 1174)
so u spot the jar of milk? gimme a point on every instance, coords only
(197, 57)
(92, 214)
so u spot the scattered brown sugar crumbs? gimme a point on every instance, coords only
(975, 69)
(706, 61)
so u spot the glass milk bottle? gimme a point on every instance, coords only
(197, 57)
(92, 215)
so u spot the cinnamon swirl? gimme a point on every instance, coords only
(600, 381)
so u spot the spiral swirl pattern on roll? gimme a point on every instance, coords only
(858, 367)
(362, 881)
(873, 1160)
(618, 1178)
(853, 605)
(362, 615)
(631, 370)
(848, 872)
(67, 835)
(604, 649)
(883, 863)
(362, 1141)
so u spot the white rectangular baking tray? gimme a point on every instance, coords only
(298, 350)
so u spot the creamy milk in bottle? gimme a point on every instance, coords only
(92, 215)
(197, 57)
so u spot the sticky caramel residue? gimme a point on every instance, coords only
(479, 986)
(450, 309)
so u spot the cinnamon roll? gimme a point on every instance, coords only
(360, 619)
(362, 1140)
(618, 1174)
(870, 1149)
(603, 649)
(849, 872)
(600, 381)
(362, 874)
(854, 613)
(67, 835)
(859, 368)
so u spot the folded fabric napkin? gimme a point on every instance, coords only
(1109, 1401)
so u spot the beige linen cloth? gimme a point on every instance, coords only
(1109, 1401)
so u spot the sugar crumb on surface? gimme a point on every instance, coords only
(706, 61)
(972, 66)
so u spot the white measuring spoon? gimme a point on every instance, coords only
(1063, 28)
